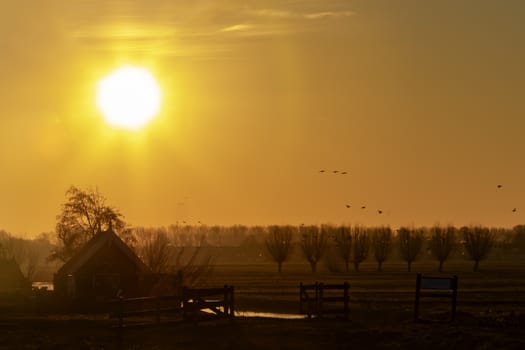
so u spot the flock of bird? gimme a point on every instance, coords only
(348, 206)
(379, 211)
(334, 172)
(514, 209)
(339, 172)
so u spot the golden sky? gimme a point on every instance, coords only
(421, 102)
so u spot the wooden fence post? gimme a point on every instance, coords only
(157, 309)
(300, 297)
(346, 300)
(226, 305)
(316, 304)
(121, 313)
(320, 300)
(416, 305)
(184, 303)
(454, 296)
(232, 304)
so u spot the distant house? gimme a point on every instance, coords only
(104, 268)
(11, 278)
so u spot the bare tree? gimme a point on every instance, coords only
(192, 262)
(442, 243)
(85, 214)
(381, 243)
(478, 242)
(313, 243)
(33, 259)
(154, 248)
(175, 260)
(23, 251)
(14, 248)
(361, 246)
(279, 244)
(410, 244)
(343, 242)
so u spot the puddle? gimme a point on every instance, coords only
(264, 314)
(45, 285)
(269, 315)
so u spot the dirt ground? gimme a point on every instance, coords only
(372, 331)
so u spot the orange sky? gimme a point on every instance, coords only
(420, 102)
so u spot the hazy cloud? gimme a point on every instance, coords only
(173, 27)
(319, 15)
(310, 15)
(237, 28)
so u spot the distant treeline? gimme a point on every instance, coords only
(341, 248)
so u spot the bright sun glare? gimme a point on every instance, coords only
(129, 97)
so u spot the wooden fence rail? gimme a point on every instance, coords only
(321, 299)
(218, 301)
(144, 307)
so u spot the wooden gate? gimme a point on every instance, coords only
(321, 299)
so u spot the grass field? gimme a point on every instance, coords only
(500, 286)
(491, 314)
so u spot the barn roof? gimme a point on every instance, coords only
(100, 240)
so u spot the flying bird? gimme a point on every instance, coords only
(348, 205)
(499, 186)
(363, 207)
(379, 211)
(514, 210)
(343, 173)
(335, 171)
(321, 171)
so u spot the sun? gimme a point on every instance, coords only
(129, 97)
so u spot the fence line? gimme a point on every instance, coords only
(189, 306)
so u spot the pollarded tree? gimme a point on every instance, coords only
(279, 244)
(478, 242)
(410, 244)
(381, 244)
(85, 214)
(343, 242)
(361, 246)
(313, 244)
(442, 243)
